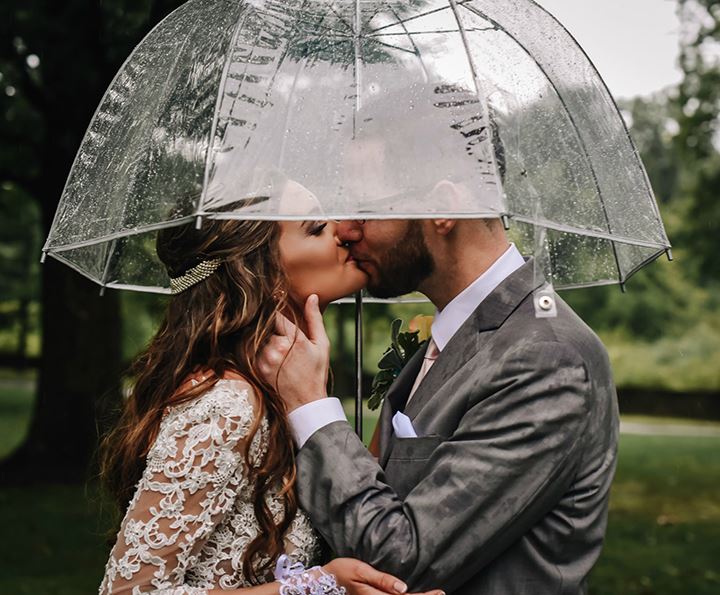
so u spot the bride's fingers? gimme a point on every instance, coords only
(387, 583)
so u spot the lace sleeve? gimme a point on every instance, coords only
(193, 473)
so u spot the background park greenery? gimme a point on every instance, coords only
(63, 348)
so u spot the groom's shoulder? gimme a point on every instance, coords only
(566, 329)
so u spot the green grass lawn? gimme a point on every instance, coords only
(664, 525)
(663, 533)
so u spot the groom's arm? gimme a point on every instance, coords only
(513, 455)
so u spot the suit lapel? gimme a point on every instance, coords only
(465, 343)
(396, 398)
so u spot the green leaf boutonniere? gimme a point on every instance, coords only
(403, 346)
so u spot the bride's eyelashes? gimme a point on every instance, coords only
(315, 229)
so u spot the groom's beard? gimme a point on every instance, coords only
(404, 266)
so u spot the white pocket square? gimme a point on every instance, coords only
(403, 426)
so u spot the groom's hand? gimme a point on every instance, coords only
(294, 363)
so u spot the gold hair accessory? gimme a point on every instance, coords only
(194, 275)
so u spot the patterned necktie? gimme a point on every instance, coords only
(430, 356)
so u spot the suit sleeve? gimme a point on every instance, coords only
(512, 457)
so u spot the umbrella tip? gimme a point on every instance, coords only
(506, 222)
(669, 254)
(623, 288)
(102, 291)
(198, 222)
(43, 256)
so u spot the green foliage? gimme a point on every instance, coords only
(402, 347)
(665, 332)
(698, 113)
(141, 316)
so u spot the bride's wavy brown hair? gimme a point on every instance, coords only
(217, 325)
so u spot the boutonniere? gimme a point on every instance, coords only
(402, 347)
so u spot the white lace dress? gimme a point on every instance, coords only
(191, 517)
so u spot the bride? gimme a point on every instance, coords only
(202, 457)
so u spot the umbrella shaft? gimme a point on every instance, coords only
(358, 363)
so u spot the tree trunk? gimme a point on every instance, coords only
(79, 372)
(80, 354)
(79, 378)
(80, 44)
(24, 318)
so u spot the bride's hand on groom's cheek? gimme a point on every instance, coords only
(294, 363)
(360, 578)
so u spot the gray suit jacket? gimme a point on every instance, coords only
(505, 489)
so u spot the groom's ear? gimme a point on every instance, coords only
(446, 196)
(443, 227)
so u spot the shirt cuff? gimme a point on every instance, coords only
(308, 419)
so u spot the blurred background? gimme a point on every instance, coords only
(64, 348)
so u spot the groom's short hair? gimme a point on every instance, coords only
(429, 133)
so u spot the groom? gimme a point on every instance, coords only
(498, 441)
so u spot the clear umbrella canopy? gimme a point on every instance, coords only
(379, 109)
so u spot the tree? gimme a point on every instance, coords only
(56, 61)
(698, 139)
(19, 229)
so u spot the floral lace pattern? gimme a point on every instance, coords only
(191, 518)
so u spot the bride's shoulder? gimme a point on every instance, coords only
(232, 396)
(236, 389)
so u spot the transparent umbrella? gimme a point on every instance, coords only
(378, 108)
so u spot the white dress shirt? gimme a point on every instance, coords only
(308, 419)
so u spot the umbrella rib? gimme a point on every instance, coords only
(378, 8)
(342, 34)
(434, 32)
(213, 130)
(412, 41)
(645, 262)
(341, 216)
(395, 47)
(367, 300)
(374, 300)
(300, 66)
(140, 288)
(611, 237)
(216, 114)
(315, 25)
(417, 16)
(341, 19)
(301, 63)
(478, 91)
(98, 109)
(572, 122)
(113, 244)
(636, 153)
(122, 234)
(73, 266)
(357, 65)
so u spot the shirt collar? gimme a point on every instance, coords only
(451, 317)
